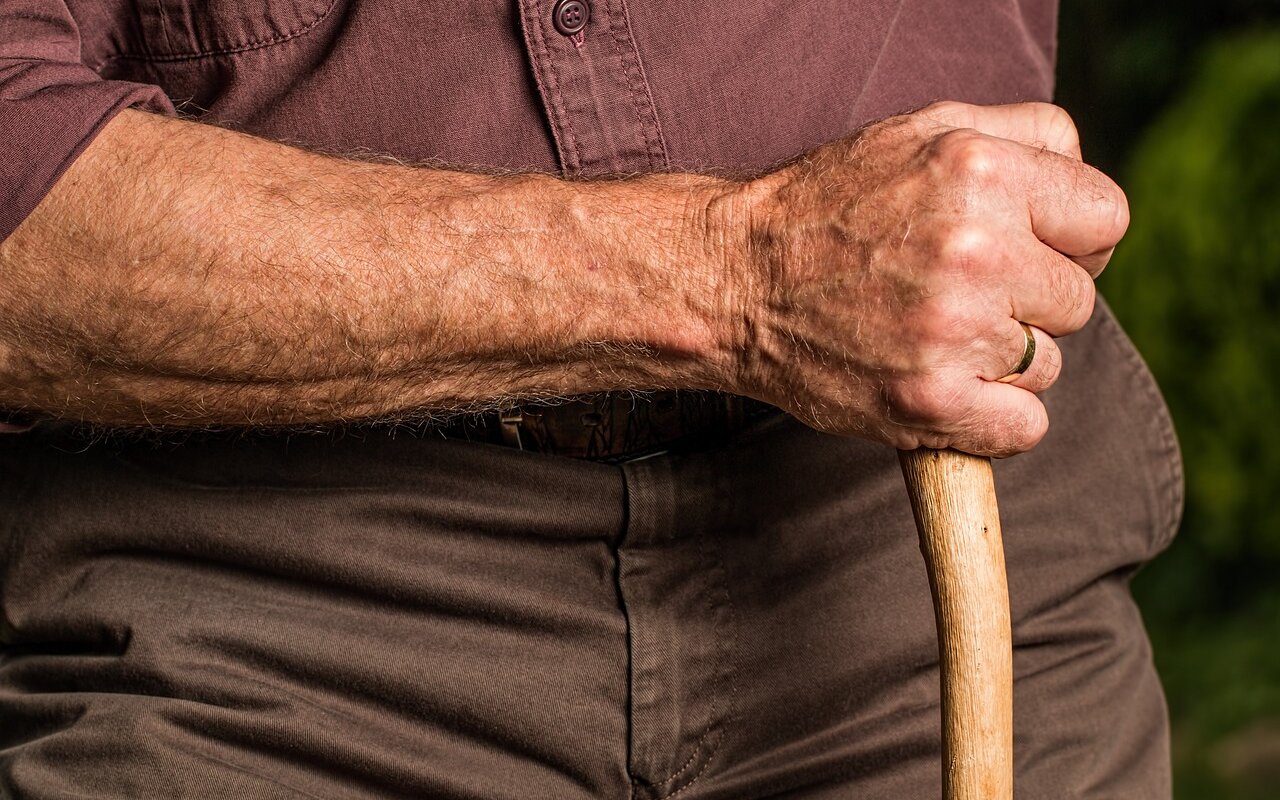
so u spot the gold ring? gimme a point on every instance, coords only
(1028, 354)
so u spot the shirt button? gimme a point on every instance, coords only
(570, 16)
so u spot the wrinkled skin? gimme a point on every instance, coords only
(890, 271)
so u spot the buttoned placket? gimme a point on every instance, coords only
(602, 116)
(593, 87)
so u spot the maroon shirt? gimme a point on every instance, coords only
(286, 638)
(663, 85)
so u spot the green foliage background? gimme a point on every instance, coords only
(1181, 103)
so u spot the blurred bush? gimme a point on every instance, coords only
(1197, 284)
(1121, 62)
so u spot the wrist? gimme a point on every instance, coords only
(683, 252)
(742, 239)
(725, 231)
(715, 232)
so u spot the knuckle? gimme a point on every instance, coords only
(1086, 300)
(948, 111)
(966, 248)
(1060, 129)
(1052, 364)
(1048, 368)
(1057, 116)
(1110, 205)
(1075, 294)
(970, 156)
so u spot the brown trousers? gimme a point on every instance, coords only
(371, 615)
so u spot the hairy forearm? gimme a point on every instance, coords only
(181, 274)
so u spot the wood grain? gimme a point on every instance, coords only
(954, 501)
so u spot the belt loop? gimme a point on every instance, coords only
(511, 420)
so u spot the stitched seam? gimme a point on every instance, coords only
(1173, 458)
(533, 47)
(705, 763)
(553, 83)
(1162, 427)
(643, 81)
(729, 648)
(622, 62)
(244, 48)
(619, 25)
(697, 749)
(1159, 423)
(620, 538)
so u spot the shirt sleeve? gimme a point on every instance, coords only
(51, 105)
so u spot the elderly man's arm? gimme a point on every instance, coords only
(180, 274)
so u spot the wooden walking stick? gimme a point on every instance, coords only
(953, 498)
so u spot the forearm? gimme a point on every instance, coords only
(182, 274)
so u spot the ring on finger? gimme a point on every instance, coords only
(1028, 355)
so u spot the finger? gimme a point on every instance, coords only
(1095, 263)
(1007, 420)
(1048, 290)
(1074, 208)
(1045, 366)
(957, 408)
(1038, 125)
(1068, 205)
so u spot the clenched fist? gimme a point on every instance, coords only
(885, 277)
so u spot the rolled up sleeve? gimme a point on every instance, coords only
(51, 104)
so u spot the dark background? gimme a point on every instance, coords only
(1180, 102)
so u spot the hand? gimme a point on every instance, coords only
(886, 275)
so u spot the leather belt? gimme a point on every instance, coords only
(612, 426)
(609, 427)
